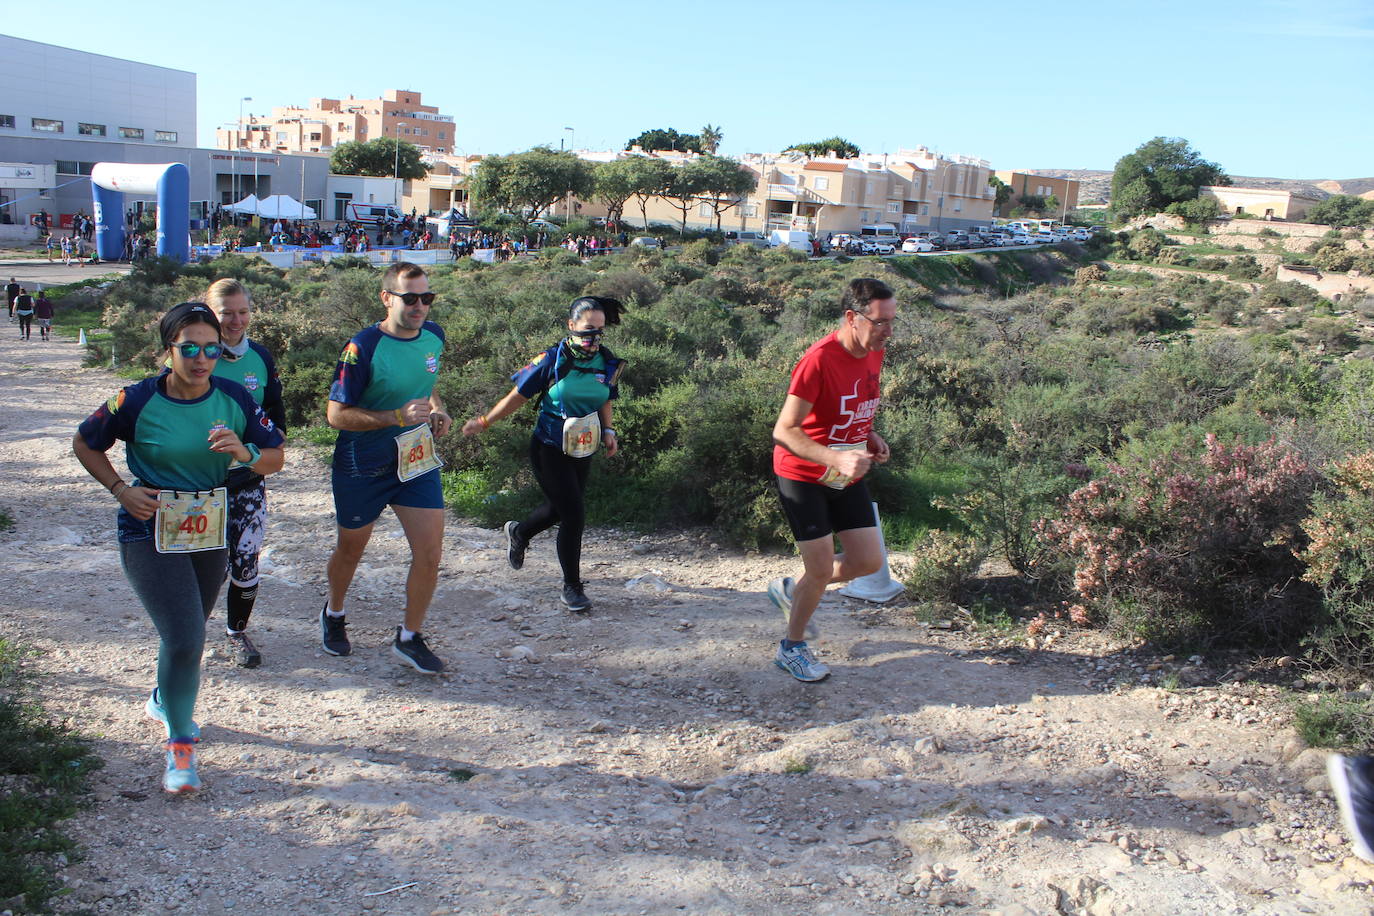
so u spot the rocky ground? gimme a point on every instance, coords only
(646, 759)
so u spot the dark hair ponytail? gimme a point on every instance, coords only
(609, 307)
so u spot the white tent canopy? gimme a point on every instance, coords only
(247, 205)
(282, 206)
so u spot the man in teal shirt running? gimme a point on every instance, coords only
(384, 405)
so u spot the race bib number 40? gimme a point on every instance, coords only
(191, 522)
(415, 454)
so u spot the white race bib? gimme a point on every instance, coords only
(833, 478)
(191, 522)
(581, 436)
(415, 453)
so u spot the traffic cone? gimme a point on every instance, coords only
(878, 586)
(81, 338)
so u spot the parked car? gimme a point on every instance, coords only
(874, 247)
(915, 245)
(645, 241)
(746, 237)
(1006, 241)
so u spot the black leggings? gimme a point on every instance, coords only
(564, 482)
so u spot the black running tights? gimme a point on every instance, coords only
(564, 482)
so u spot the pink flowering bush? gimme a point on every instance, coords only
(1185, 547)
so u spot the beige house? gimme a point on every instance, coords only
(1024, 184)
(1260, 202)
(328, 122)
(910, 191)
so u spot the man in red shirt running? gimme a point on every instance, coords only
(824, 445)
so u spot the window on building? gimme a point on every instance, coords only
(749, 210)
(131, 133)
(703, 210)
(72, 167)
(821, 184)
(958, 206)
(443, 135)
(281, 136)
(7, 121)
(925, 209)
(46, 124)
(165, 136)
(315, 137)
(894, 206)
(90, 130)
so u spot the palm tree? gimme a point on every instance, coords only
(710, 137)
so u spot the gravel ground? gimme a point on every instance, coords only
(646, 759)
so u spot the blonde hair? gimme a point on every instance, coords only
(223, 289)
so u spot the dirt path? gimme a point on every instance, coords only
(647, 759)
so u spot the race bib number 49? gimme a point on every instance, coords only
(191, 522)
(415, 454)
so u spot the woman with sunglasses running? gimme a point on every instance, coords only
(181, 429)
(575, 382)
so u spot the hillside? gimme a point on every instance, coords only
(1097, 183)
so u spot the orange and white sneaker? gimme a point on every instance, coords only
(181, 777)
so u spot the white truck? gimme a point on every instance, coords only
(790, 238)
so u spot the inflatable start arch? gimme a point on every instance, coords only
(172, 184)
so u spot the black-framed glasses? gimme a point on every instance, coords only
(589, 334)
(879, 323)
(412, 298)
(192, 350)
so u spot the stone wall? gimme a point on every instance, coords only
(1333, 286)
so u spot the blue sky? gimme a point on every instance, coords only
(1264, 87)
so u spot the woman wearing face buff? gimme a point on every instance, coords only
(181, 429)
(575, 383)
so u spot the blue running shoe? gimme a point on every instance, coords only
(1352, 782)
(181, 777)
(157, 713)
(801, 663)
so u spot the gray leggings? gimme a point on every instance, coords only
(178, 591)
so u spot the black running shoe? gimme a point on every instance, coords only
(575, 599)
(334, 634)
(245, 653)
(416, 654)
(515, 545)
(1352, 782)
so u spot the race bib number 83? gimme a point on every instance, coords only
(415, 454)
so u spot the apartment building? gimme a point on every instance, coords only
(1024, 184)
(326, 123)
(907, 192)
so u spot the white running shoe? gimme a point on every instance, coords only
(800, 662)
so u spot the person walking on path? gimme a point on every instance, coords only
(384, 404)
(824, 444)
(251, 365)
(11, 293)
(181, 430)
(23, 310)
(43, 311)
(575, 382)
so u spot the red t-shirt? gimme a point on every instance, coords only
(843, 393)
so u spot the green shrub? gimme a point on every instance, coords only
(942, 566)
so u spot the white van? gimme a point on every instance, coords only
(372, 214)
(790, 238)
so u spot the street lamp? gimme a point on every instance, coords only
(233, 155)
(567, 200)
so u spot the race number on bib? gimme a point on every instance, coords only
(581, 435)
(191, 522)
(415, 454)
(833, 478)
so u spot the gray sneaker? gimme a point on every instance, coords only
(780, 593)
(515, 545)
(801, 663)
